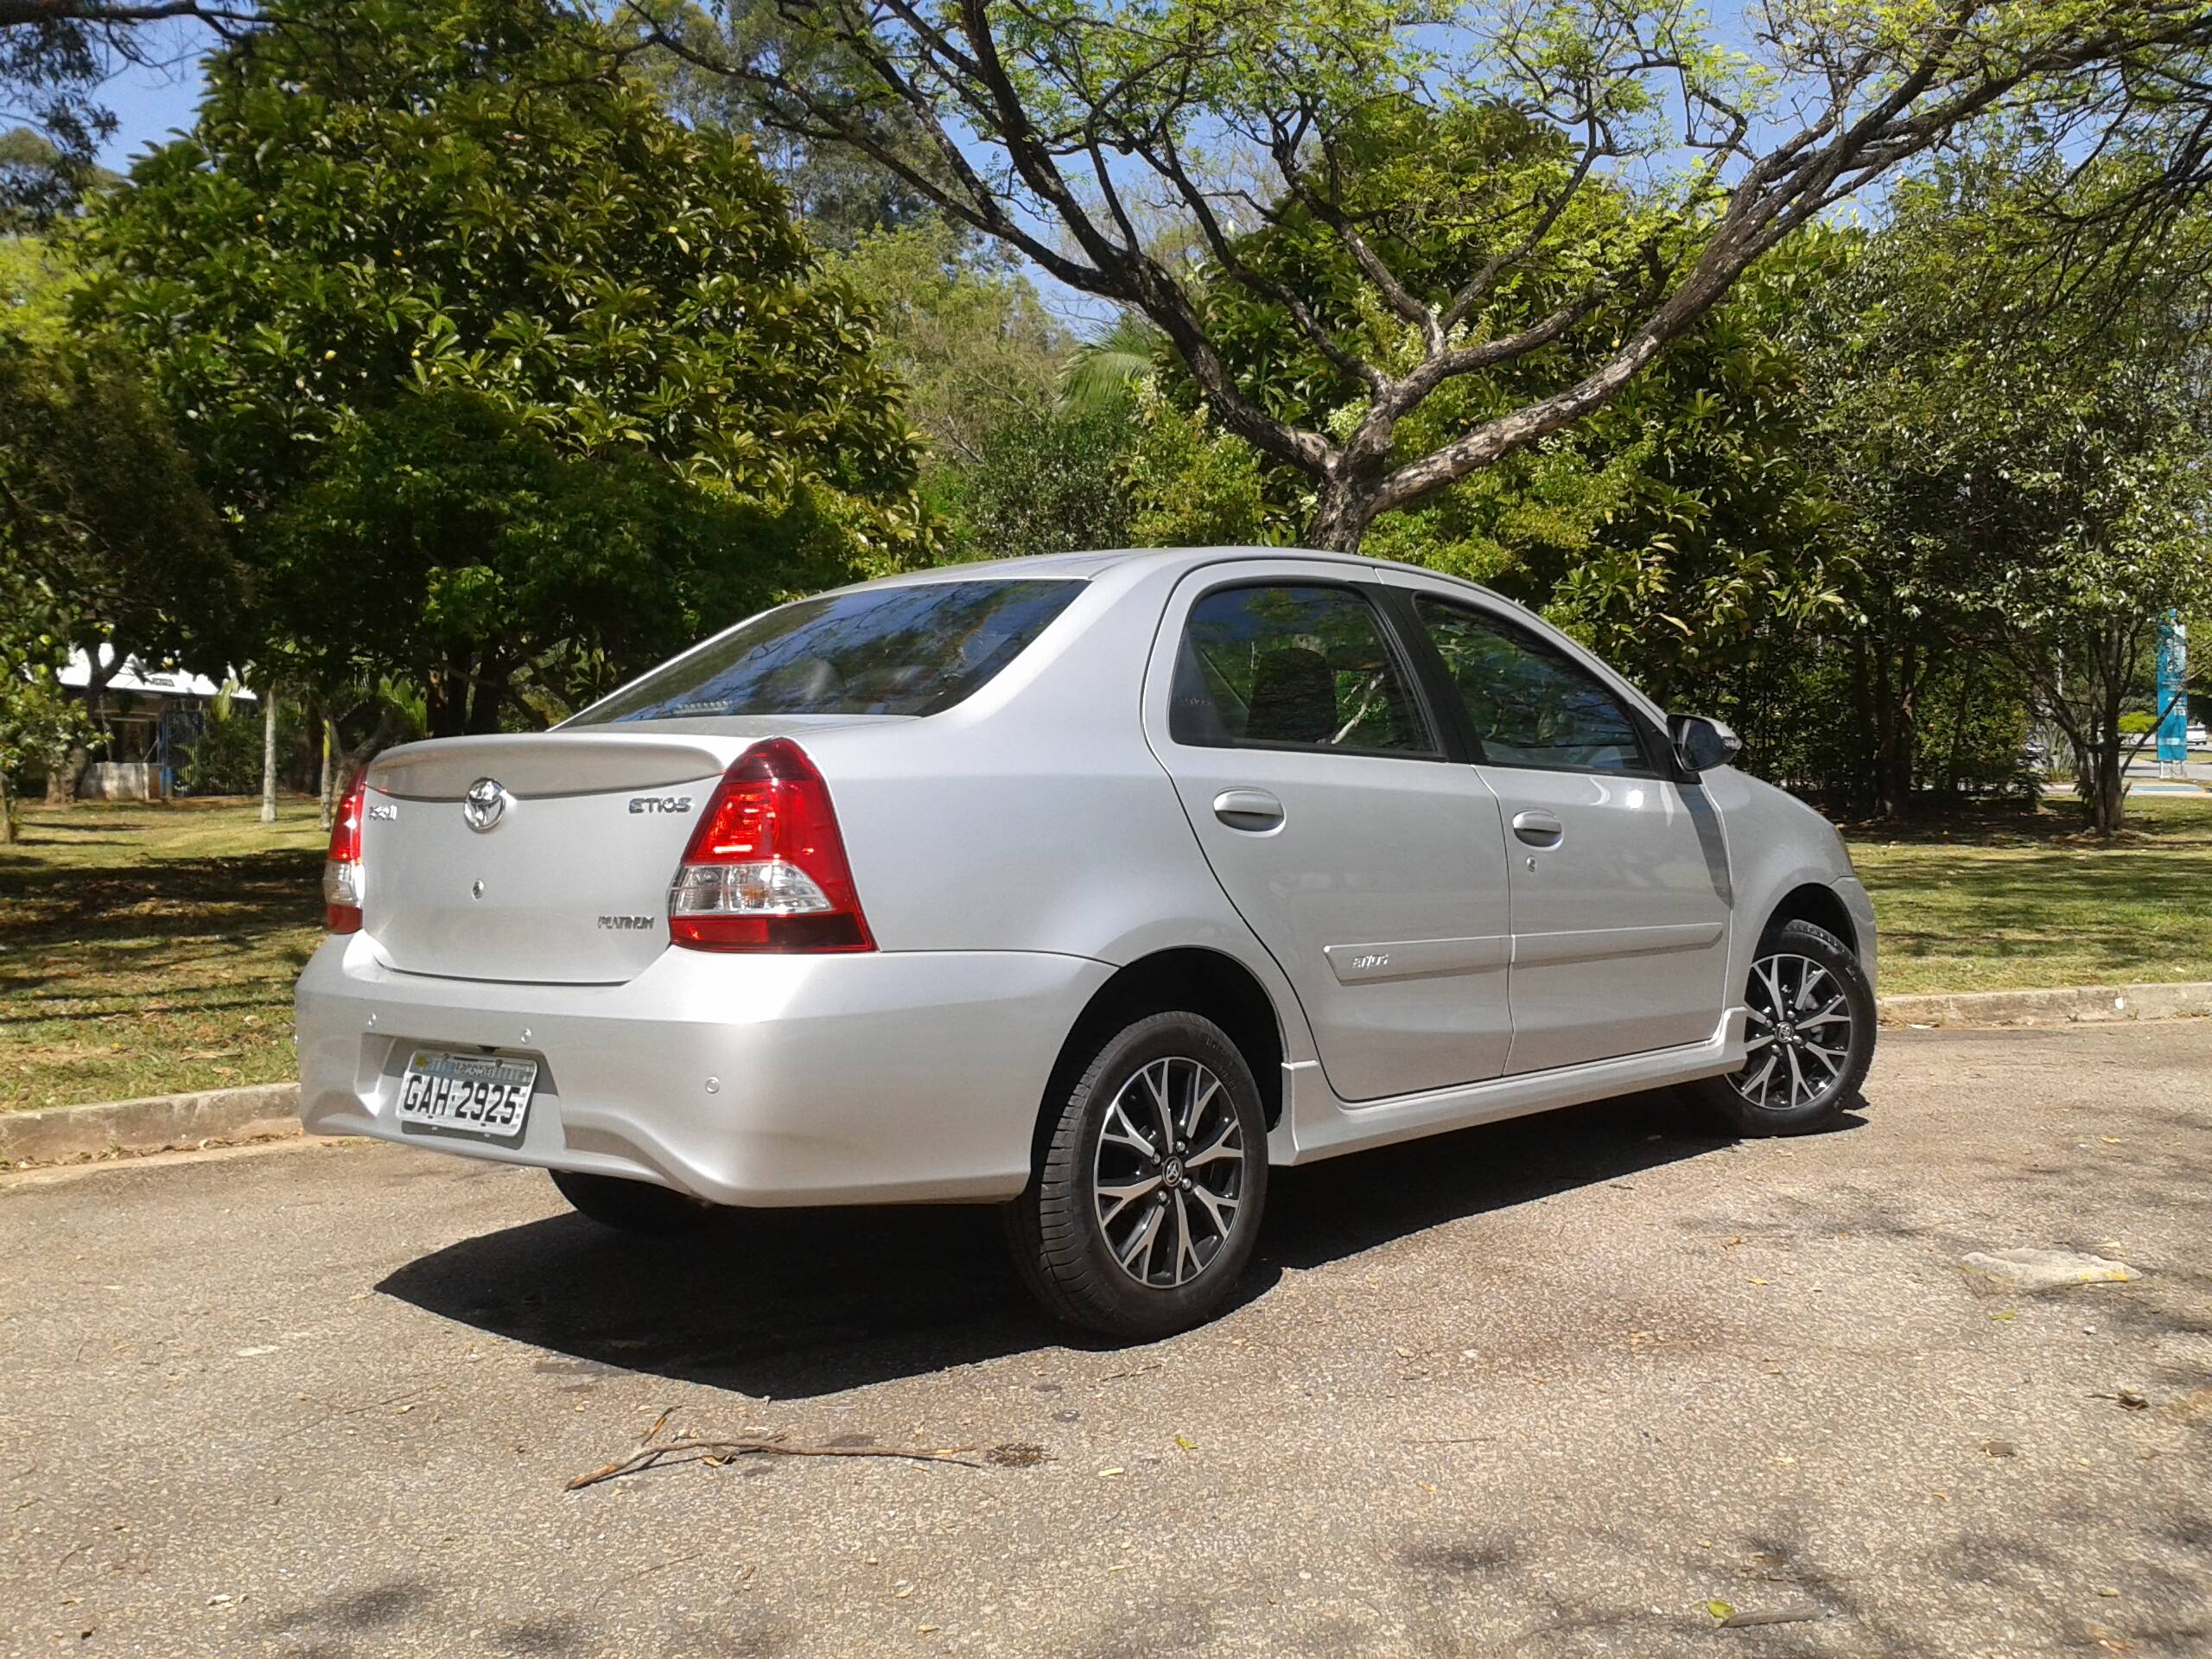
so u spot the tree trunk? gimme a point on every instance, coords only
(329, 768)
(1342, 513)
(61, 776)
(269, 755)
(7, 813)
(2107, 792)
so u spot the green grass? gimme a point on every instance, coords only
(2005, 900)
(145, 950)
(149, 949)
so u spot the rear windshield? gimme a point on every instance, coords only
(881, 651)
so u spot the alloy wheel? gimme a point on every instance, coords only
(1168, 1176)
(1800, 1034)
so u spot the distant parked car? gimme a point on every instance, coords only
(2196, 737)
(1092, 886)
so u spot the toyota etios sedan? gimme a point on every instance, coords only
(1093, 886)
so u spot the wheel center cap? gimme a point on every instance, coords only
(1172, 1172)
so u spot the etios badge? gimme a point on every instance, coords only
(483, 804)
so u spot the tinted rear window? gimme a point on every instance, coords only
(882, 651)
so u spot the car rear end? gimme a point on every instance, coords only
(639, 945)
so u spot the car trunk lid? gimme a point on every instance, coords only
(546, 857)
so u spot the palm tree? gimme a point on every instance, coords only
(1102, 374)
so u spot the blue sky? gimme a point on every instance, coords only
(152, 100)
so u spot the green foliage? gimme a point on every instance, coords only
(1042, 482)
(226, 758)
(2024, 450)
(971, 339)
(839, 193)
(40, 722)
(36, 289)
(400, 218)
(1677, 530)
(104, 528)
(460, 544)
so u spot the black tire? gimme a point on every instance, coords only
(1070, 1253)
(1764, 1097)
(632, 1206)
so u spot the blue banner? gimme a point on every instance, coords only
(2173, 696)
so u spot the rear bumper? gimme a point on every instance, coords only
(880, 1077)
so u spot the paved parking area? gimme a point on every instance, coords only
(1548, 1387)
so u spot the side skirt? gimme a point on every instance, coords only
(1315, 1124)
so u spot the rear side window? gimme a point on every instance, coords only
(882, 651)
(1285, 667)
(1530, 703)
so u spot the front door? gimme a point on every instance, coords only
(1620, 885)
(1370, 866)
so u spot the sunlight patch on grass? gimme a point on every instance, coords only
(2021, 900)
(147, 950)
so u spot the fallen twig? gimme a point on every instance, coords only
(653, 1449)
(1804, 1612)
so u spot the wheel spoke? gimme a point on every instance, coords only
(1809, 973)
(1141, 1239)
(1127, 1134)
(1759, 1080)
(1159, 1090)
(1214, 1203)
(1226, 1145)
(1831, 1057)
(1200, 1099)
(1183, 1250)
(1797, 1089)
(1767, 970)
(1121, 1197)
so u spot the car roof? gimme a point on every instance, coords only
(1083, 566)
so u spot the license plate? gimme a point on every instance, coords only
(465, 1093)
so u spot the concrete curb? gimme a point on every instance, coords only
(164, 1123)
(2076, 1005)
(57, 1134)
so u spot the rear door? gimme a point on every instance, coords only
(1372, 869)
(1619, 883)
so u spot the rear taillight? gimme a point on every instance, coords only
(341, 875)
(767, 869)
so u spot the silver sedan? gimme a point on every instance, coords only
(1093, 886)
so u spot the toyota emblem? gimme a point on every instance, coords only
(483, 804)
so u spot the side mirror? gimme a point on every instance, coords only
(1700, 743)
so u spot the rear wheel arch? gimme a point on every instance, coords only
(1193, 979)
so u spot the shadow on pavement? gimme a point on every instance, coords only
(790, 1304)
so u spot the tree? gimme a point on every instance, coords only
(841, 194)
(971, 341)
(457, 237)
(1679, 529)
(2025, 455)
(99, 507)
(473, 556)
(53, 56)
(1050, 127)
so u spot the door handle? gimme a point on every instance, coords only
(1248, 809)
(1539, 829)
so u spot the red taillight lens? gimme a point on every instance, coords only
(767, 869)
(342, 875)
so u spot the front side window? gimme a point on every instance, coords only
(1531, 704)
(1291, 667)
(912, 650)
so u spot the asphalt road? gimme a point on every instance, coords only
(1543, 1388)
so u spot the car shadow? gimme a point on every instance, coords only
(794, 1304)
